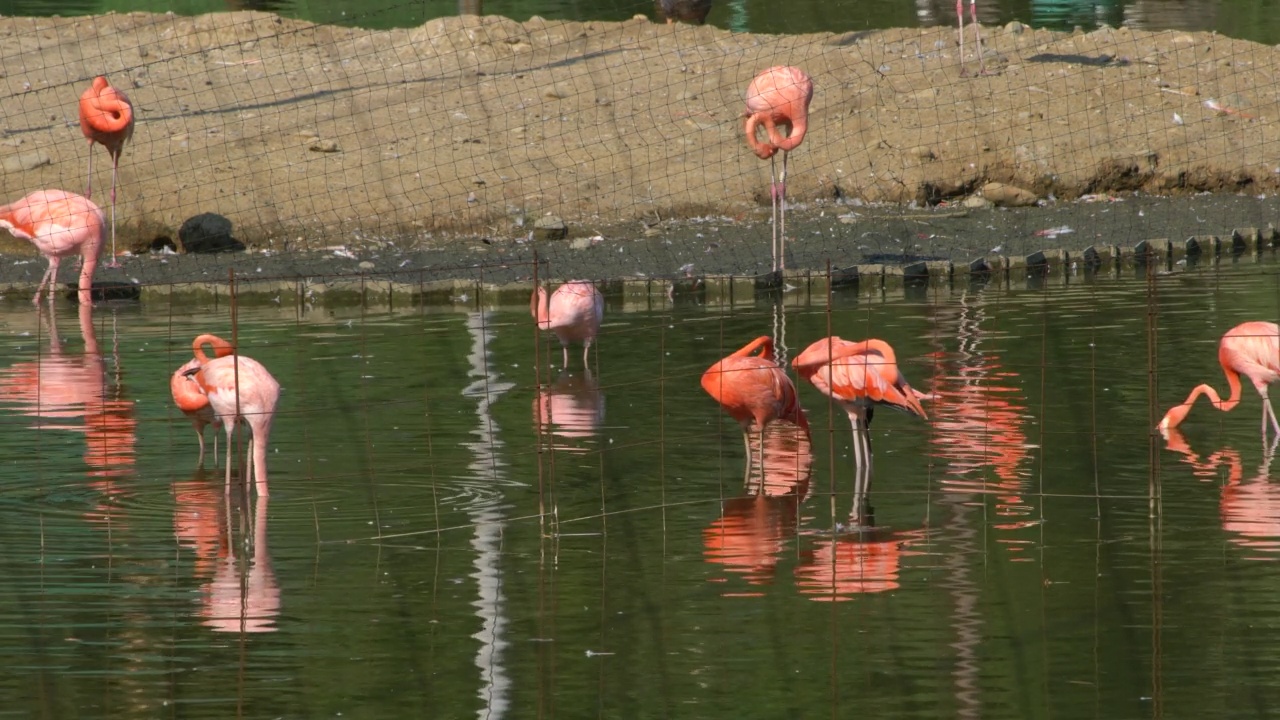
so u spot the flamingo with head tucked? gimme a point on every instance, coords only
(777, 100)
(191, 398)
(1251, 349)
(106, 117)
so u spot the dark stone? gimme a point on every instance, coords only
(208, 233)
(162, 242)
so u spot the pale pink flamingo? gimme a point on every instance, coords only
(778, 98)
(977, 34)
(1251, 349)
(59, 224)
(190, 397)
(859, 376)
(754, 391)
(573, 312)
(106, 117)
(240, 389)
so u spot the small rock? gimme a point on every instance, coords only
(1008, 195)
(208, 233)
(556, 92)
(582, 243)
(365, 265)
(976, 202)
(26, 161)
(324, 146)
(1015, 28)
(550, 227)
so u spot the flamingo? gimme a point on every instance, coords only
(190, 397)
(1251, 349)
(690, 11)
(778, 96)
(859, 376)
(106, 116)
(977, 34)
(239, 389)
(755, 392)
(59, 224)
(573, 312)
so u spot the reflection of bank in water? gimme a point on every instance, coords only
(978, 420)
(750, 535)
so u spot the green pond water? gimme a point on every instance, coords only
(456, 530)
(1245, 19)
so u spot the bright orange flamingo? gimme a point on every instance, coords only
(859, 376)
(106, 117)
(778, 98)
(240, 390)
(59, 224)
(754, 391)
(190, 397)
(573, 312)
(1251, 349)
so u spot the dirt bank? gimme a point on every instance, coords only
(307, 136)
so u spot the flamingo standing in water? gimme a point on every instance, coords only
(191, 398)
(778, 98)
(240, 389)
(1251, 349)
(573, 312)
(59, 224)
(755, 392)
(106, 116)
(859, 376)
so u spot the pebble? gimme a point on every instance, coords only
(1008, 195)
(550, 227)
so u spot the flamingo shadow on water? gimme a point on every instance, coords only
(239, 591)
(752, 531)
(1249, 509)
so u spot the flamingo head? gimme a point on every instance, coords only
(1174, 417)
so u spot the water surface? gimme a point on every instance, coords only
(455, 527)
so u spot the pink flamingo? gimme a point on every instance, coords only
(190, 397)
(778, 97)
(755, 392)
(573, 312)
(240, 390)
(1251, 349)
(977, 34)
(59, 224)
(859, 376)
(106, 116)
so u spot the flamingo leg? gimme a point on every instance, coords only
(782, 215)
(88, 183)
(51, 270)
(115, 166)
(200, 437)
(773, 205)
(230, 428)
(749, 455)
(761, 464)
(586, 349)
(960, 17)
(977, 35)
(565, 362)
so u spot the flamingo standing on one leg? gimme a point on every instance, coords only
(859, 376)
(106, 116)
(59, 224)
(755, 392)
(573, 312)
(778, 97)
(1251, 349)
(191, 398)
(977, 34)
(240, 389)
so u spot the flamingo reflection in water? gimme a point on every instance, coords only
(239, 592)
(978, 422)
(60, 387)
(571, 409)
(749, 536)
(1249, 509)
(855, 563)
